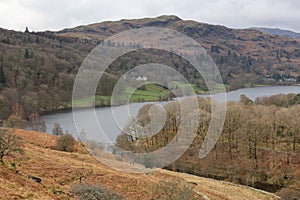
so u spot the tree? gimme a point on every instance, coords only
(65, 143)
(26, 30)
(37, 39)
(37, 123)
(57, 130)
(15, 121)
(9, 143)
(5, 108)
(2, 76)
(26, 54)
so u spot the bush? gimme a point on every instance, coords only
(289, 194)
(150, 161)
(94, 192)
(173, 191)
(65, 143)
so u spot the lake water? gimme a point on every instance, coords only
(106, 123)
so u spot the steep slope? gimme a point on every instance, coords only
(60, 170)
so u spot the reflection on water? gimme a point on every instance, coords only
(109, 124)
(113, 119)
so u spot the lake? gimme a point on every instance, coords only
(106, 123)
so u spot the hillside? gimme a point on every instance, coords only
(236, 51)
(37, 69)
(59, 171)
(277, 31)
(259, 144)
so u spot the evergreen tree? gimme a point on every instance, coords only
(37, 39)
(26, 30)
(2, 76)
(26, 54)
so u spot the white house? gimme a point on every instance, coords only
(141, 78)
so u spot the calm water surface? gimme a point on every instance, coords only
(106, 123)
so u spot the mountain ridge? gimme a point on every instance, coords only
(260, 56)
(278, 31)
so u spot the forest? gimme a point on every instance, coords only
(259, 145)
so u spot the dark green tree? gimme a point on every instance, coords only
(2, 76)
(27, 54)
(26, 30)
(37, 39)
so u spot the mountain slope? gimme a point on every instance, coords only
(277, 31)
(236, 51)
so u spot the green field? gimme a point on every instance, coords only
(148, 92)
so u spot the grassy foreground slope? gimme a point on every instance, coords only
(60, 170)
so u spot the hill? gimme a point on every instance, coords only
(37, 69)
(277, 31)
(236, 51)
(60, 171)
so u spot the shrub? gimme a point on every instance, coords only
(150, 161)
(65, 143)
(174, 191)
(289, 194)
(94, 192)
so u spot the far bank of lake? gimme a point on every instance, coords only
(111, 120)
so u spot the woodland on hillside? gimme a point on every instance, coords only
(259, 145)
(37, 69)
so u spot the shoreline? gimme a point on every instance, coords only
(67, 109)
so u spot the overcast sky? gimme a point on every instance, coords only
(41, 15)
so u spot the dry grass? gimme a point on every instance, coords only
(60, 170)
(215, 189)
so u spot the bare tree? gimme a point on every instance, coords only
(57, 130)
(14, 121)
(9, 143)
